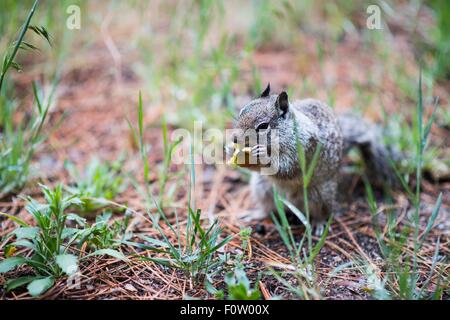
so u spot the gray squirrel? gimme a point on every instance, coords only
(310, 123)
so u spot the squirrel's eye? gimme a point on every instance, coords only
(262, 126)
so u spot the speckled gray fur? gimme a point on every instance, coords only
(316, 124)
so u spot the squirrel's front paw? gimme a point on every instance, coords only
(260, 153)
(228, 151)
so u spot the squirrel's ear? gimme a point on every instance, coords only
(282, 103)
(266, 92)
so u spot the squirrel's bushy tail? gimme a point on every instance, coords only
(368, 138)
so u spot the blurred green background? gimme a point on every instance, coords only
(202, 59)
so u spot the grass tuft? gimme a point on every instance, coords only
(403, 279)
(19, 141)
(49, 241)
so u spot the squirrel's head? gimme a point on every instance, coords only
(263, 126)
(268, 112)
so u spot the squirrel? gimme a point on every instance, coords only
(311, 123)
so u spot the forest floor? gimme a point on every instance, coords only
(96, 97)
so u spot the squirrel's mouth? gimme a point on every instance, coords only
(244, 157)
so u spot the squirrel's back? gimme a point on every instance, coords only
(327, 130)
(339, 133)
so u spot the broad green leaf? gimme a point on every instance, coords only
(26, 232)
(15, 283)
(40, 285)
(15, 219)
(74, 217)
(69, 232)
(68, 263)
(24, 243)
(10, 263)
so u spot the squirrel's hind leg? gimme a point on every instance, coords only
(322, 202)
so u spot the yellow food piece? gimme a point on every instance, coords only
(237, 151)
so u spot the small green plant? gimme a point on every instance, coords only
(302, 266)
(101, 181)
(50, 258)
(402, 277)
(401, 136)
(19, 140)
(194, 254)
(164, 175)
(49, 242)
(10, 55)
(238, 286)
(302, 259)
(103, 233)
(18, 144)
